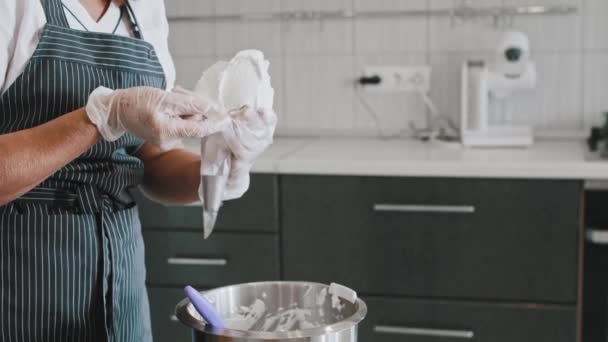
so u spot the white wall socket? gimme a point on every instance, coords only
(399, 79)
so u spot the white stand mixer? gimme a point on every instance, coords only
(511, 71)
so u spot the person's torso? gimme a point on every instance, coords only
(30, 19)
(65, 68)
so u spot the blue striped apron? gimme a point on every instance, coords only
(71, 250)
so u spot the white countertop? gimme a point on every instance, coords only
(374, 157)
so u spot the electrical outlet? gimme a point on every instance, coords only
(399, 79)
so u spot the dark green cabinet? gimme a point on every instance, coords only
(180, 258)
(165, 326)
(256, 211)
(596, 268)
(243, 248)
(413, 320)
(444, 238)
(435, 259)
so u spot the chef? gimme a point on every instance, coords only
(86, 115)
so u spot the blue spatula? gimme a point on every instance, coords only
(206, 309)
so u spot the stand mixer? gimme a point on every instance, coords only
(482, 82)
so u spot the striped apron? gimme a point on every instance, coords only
(71, 250)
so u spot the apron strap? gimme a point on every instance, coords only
(53, 9)
(132, 20)
(55, 15)
(85, 199)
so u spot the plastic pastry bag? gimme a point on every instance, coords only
(227, 156)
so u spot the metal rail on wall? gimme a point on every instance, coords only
(461, 12)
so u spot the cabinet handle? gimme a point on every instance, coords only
(173, 319)
(428, 332)
(197, 262)
(424, 208)
(596, 236)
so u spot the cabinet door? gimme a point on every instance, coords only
(165, 326)
(595, 291)
(449, 238)
(256, 211)
(398, 320)
(184, 258)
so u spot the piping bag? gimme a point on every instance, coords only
(228, 87)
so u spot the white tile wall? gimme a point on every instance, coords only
(182, 44)
(452, 35)
(596, 86)
(189, 7)
(396, 110)
(446, 77)
(595, 24)
(556, 103)
(190, 69)
(554, 33)
(378, 36)
(314, 64)
(318, 38)
(318, 92)
(595, 60)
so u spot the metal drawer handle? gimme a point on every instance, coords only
(197, 262)
(428, 332)
(424, 208)
(596, 236)
(173, 319)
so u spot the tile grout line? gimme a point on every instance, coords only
(355, 58)
(284, 66)
(583, 91)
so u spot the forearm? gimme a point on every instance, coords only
(171, 177)
(30, 156)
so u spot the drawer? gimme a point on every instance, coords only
(397, 320)
(165, 326)
(595, 292)
(255, 211)
(454, 238)
(183, 258)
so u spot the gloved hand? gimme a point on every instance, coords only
(155, 115)
(235, 149)
(250, 133)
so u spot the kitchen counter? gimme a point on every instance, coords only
(559, 159)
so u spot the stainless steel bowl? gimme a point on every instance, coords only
(335, 325)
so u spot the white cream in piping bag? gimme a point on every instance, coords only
(228, 86)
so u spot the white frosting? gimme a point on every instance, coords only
(242, 81)
(311, 313)
(247, 317)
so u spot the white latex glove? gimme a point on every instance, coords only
(236, 148)
(155, 115)
(249, 135)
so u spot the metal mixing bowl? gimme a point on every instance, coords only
(336, 325)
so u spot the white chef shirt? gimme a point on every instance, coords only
(23, 20)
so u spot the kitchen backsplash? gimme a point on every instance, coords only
(314, 64)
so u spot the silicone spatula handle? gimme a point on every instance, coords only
(204, 308)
